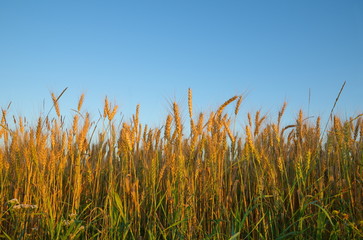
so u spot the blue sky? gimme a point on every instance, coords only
(151, 52)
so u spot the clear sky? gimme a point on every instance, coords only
(151, 52)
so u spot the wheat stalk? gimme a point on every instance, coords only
(225, 104)
(80, 102)
(238, 104)
(55, 104)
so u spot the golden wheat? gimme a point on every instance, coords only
(260, 181)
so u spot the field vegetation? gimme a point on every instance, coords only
(207, 176)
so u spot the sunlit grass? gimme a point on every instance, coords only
(216, 180)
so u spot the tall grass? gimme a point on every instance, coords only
(221, 180)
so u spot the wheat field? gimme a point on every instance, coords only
(204, 176)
